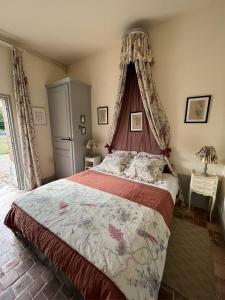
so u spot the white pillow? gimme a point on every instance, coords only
(115, 162)
(146, 169)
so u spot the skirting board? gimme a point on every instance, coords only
(48, 179)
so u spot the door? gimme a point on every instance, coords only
(59, 108)
(10, 168)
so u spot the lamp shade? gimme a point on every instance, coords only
(91, 144)
(207, 155)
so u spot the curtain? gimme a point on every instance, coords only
(136, 49)
(155, 113)
(123, 138)
(31, 167)
(118, 104)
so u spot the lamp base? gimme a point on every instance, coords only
(205, 170)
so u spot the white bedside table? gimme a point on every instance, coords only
(91, 162)
(205, 185)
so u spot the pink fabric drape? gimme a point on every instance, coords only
(123, 138)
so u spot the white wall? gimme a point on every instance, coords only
(189, 55)
(39, 73)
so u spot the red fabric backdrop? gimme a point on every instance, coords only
(124, 139)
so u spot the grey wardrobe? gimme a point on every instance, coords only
(70, 117)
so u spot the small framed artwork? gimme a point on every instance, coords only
(82, 119)
(102, 113)
(39, 116)
(136, 121)
(83, 130)
(197, 109)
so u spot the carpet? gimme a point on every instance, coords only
(188, 267)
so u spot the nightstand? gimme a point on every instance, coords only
(91, 162)
(205, 185)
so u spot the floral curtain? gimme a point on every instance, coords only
(118, 104)
(155, 113)
(31, 167)
(136, 49)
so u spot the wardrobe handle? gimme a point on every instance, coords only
(66, 139)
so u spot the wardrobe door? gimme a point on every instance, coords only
(59, 108)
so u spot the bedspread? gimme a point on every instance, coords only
(123, 239)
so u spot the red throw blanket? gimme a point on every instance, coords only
(143, 194)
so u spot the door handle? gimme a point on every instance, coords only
(66, 139)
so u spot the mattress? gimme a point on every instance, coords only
(107, 234)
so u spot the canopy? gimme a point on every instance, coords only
(135, 71)
(136, 50)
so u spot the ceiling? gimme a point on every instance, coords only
(67, 30)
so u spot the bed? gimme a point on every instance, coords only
(108, 234)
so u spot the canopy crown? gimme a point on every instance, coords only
(135, 46)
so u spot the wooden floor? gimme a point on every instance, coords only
(24, 277)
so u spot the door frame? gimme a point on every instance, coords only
(14, 141)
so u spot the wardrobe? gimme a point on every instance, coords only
(70, 117)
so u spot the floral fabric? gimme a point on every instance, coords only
(146, 169)
(125, 240)
(31, 167)
(117, 107)
(116, 162)
(149, 155)
(136, 49)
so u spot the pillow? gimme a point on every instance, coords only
(146, 169)
(145, 154)
(124, 152)
(116, 162)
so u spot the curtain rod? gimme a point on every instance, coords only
(11, 44)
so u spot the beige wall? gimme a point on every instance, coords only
(189, 54)
(39, 73)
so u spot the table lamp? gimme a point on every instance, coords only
(207, 155)
(91, 145)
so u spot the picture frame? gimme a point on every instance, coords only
(39, 115)
(136, 121)
(197, 109)
(102, 114)
(83, 130)
(82, 119)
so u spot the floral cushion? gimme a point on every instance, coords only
(124, 152)
(146, 169)
(116, 162)
(145, 154)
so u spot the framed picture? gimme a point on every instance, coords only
(136, 121)
(197, 109)
(82, 119)
(83, 130)
(102, 113)
(39, 116)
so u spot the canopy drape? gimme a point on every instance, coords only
(136, 49)
(31, 167)
(124, 138)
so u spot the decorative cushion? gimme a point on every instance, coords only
(146, 169)
(145, 154)
(124, 152)
(116, 162)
